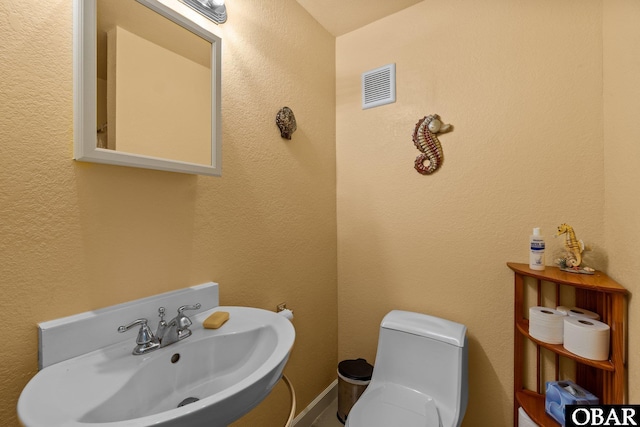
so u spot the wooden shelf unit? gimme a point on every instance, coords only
(598, 293)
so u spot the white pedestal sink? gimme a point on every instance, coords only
(218, 375)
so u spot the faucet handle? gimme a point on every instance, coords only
(184, 322)
(188, 307)
(145, 340)
(141, 322)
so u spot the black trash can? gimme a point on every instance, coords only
(353, 378)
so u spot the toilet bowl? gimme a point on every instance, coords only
(420, 375)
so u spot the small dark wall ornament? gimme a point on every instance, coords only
(286, 122)
(425, 140)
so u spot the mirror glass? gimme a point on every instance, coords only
(147, 87)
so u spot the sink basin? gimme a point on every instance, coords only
(218, 375)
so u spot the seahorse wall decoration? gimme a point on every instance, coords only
(573, 246)
(425, 140)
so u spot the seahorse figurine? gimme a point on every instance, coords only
(573, 246)
(425, 140)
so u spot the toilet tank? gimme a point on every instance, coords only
(427, 354)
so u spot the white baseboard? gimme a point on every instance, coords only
(317, 406)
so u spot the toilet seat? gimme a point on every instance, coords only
(393, 405)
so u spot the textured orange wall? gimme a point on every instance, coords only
(79, 236)
(522, 84)
(622, 133)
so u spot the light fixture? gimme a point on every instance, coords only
(215, 10)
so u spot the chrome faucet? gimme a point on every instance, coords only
(167, 333)
(175, 329)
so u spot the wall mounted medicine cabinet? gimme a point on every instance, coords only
(146, 87)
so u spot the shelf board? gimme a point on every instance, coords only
(533, 404)
(605, 365)
(593, 282)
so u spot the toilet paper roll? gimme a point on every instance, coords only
(524, 420)
(286, 313)
(578, 312)
(546, 324)
(587, 338)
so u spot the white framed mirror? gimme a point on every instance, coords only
(147, 84)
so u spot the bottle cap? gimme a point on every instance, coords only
(536, 231)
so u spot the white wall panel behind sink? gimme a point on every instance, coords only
(82, 333)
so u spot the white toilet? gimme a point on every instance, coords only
(420, 375)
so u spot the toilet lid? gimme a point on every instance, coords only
(392, 405)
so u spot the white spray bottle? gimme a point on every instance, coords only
(536, 251)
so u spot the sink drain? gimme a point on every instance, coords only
(187, 401)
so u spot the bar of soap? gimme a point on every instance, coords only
(216, 320)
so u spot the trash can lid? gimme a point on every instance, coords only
(356, 369)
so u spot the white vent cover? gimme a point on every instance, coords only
(379, 86)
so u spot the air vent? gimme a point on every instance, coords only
(379, 86)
